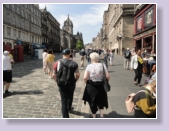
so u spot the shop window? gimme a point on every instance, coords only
(147, 44)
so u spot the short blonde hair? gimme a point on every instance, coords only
(94, 56)
(151, 85)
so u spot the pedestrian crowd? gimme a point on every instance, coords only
(66, 73)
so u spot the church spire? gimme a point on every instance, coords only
(45, 7)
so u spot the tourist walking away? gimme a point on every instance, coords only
(32, 53)
(127, 56)
(137, 65)
(117, 51)
(71, 54)
(111, 57)
(82, 53)
(145, 101)
(50, 61)
(74, 53)
(44, 57)
(7, 71)
(94, 92)
(67, 74)
(88, 55)
(106, 55)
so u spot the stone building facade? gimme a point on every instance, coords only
(120, 27)
(50, 31)
(22, 24)
(105, 41)
(68, 40)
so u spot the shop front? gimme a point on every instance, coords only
(145, 28)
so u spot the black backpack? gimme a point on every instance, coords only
(127, 54)
(63, 76)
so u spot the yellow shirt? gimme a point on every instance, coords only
(50, 58)
(11, 56)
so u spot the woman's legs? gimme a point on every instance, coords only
(101, 113)
(136, 75)
(139, 75)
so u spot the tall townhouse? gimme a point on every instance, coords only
(120, 27)
(22, 25)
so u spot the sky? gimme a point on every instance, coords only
(86, 18)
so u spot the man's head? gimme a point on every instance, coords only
(6, 53)
(127, 48)
(66, 52)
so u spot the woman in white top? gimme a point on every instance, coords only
(94, 92)
(44, 56)
(111, 57)
(137, 65)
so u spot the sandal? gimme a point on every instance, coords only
(135, 83)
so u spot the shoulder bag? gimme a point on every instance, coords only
(105, 82)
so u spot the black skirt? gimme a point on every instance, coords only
(94, 94)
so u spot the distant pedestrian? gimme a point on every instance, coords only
(88, 55)
(82, 53)
(44, 57)
(50, 61)
(117, 50)
(127, 57)
(74, 53)
(106, 55)
(94, 92)
(137, 65)
(7, 70)
(111, 57)
(67, 74)
(71, 54)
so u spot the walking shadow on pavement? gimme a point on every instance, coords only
(86, 115)
(35, 92)
(114, 114)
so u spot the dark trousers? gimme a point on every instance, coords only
(138, 75)
(66, 94)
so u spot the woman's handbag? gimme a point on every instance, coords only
(105, 81)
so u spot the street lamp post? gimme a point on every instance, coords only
(119, 38)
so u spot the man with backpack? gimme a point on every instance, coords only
(127, 56)
(67, 73)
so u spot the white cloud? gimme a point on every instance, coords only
(91, 17)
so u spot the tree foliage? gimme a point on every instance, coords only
(79, 45)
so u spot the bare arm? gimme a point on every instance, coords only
(107, 76)
(77, 74)
(86, 76)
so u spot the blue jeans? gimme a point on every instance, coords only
(66, 94)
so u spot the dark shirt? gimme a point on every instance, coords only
(73, 66)
(82, 53)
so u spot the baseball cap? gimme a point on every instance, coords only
(66, 51)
